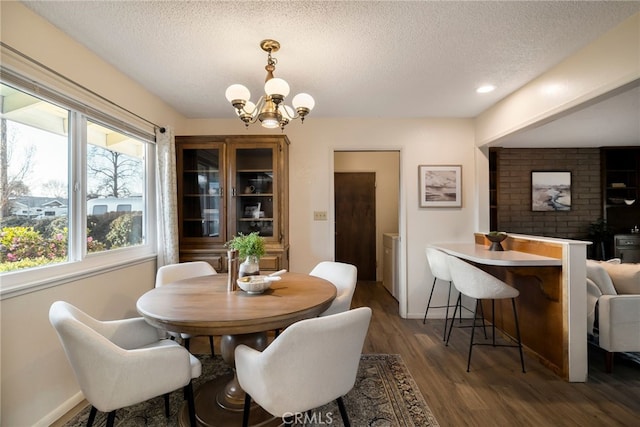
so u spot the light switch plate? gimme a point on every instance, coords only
(320, 215)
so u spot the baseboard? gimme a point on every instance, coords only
(61, 410)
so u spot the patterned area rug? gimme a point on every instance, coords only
(385, 395)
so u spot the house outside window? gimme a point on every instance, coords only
(72, 186)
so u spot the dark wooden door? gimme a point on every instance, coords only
(355, 204)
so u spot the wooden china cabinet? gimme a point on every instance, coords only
(229, 185)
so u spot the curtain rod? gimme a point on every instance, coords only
(39, 64)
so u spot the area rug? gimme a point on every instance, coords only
(385, 395)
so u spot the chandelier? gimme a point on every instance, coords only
(270, 108)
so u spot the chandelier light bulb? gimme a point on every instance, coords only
(270, 123)
(249, 107)
(237, 92)
(276, 86)
(288, 112)
(303, 100)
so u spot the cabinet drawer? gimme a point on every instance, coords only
(213, 259)
(628, 255)
(626, 241)
(270, 263)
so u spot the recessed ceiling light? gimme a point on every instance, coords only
(486, 89)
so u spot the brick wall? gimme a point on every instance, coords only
(514, 166)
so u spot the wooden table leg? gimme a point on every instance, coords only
(219, 402)
(232, 397)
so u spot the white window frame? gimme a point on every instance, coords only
(80, 264)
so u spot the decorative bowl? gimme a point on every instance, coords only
(495, 237)
(629, 202)
(256, 284)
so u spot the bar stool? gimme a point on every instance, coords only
(440, 269)
(478, 284)
(437, 260)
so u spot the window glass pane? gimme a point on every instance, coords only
(34, 184)
(115, 189)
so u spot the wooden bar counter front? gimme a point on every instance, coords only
(550, 275)
(203, 306)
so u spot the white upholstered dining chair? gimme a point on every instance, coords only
(185, 270)
(120, 363)
(311, 363)
(478, 284)
(344, 277)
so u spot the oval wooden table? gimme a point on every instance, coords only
(203, 306)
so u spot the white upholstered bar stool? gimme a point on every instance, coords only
(440, 270)
(185, 270)
(478, 284)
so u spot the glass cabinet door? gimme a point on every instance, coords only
(255, 190)
(201, 193)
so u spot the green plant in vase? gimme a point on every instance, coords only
(250, 247)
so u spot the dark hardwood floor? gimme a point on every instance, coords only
(496, 392)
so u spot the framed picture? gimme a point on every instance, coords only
(550, 191)
(440, 186)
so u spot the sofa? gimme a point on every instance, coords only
(613, 307)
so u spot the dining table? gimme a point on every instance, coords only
(209, 305)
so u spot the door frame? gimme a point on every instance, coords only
(402, 215)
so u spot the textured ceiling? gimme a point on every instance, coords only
(357, 59)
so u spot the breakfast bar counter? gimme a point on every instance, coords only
(480, 254)
(550, 275)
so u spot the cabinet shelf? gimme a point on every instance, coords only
(201, 171)
(264, 171)
(620, 206)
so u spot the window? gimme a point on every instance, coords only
(100, 209)
(73, 189)
(115, 176)
(34, 171)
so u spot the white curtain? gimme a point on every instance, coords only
(167, 205)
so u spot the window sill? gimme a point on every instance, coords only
(24, 282)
